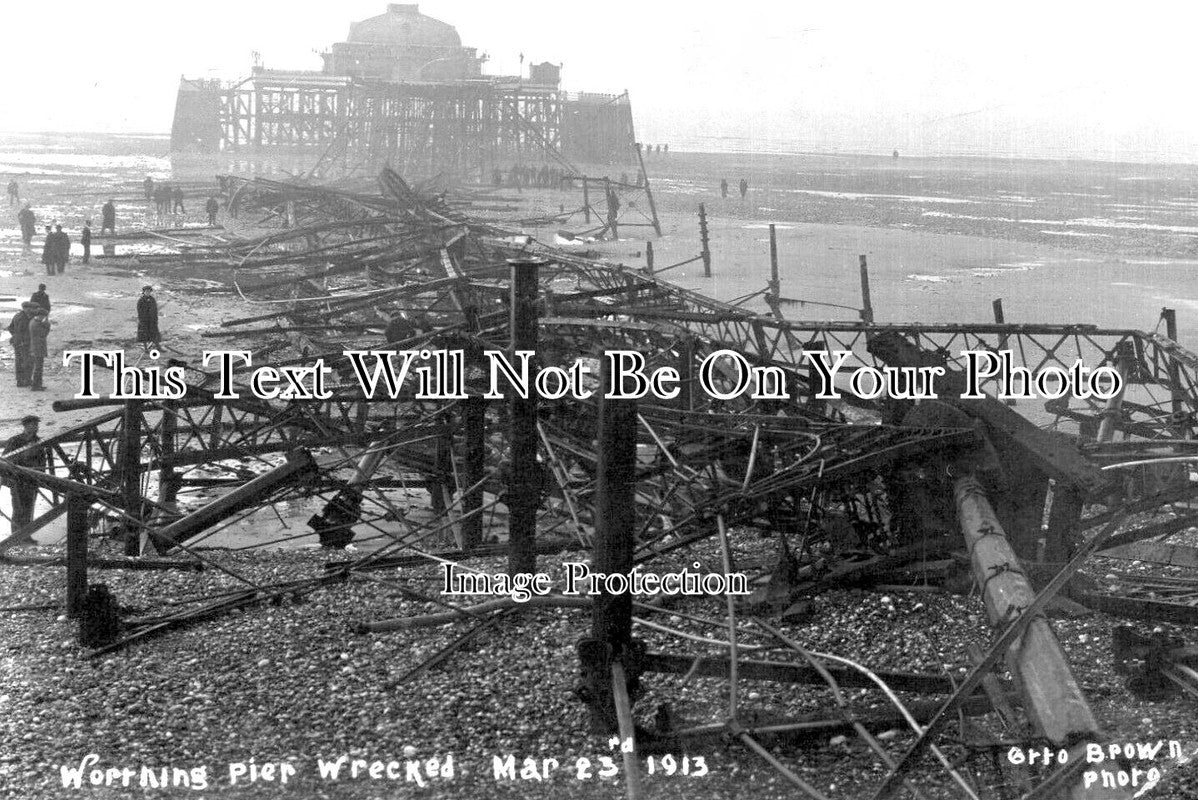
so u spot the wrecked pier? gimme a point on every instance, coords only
(827, 492)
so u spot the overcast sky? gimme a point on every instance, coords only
(1035, 79)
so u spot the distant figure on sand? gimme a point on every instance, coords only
(744, 188)
(39, 331)
(24, 492)
(108, 218)
(177, 194)
(14, 193)
(147, 318)
(894, 154)
(62, 250)
(86, 239)
(28, 224)
(148, 185)
(212, 207)
(41, 297)
(723, 187)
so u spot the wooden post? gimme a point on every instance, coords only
(615, 514)
(474, 423)
(706, 251)
(607, 658)
(524, 491)
(1054, 702)
(648, 193)
(129, 468)
(586, 199)
(867, 306)
(649, 256)
(77, 507)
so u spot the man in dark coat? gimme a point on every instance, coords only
(39, 331)
(177, 196)
(24, 492)
(14, 193)
(86, 239)
(62, 249)
(18, 329)
(744, 188)
(28, 224)
(48, 251)
(40, 297)
(212, 207)
(147, 318)
(148, 185)
(108, 218)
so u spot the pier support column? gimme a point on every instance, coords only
(610, 642)
(524, 491)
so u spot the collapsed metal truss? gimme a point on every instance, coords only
(354, 270)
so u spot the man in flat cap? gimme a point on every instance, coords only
(39, 331)
(24, 491)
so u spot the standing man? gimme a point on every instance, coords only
(86, 239)
(28, 225)
(62, 249)
(40, 297)
(48, 251)
(14, 193)
(39, 331)
(177, 194)
(18, 329)
(147, 318)
(108, 218)
(723, 187)
(148, 185)
(212, 207)
(24, 491)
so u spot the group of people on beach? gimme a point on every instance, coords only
(743, 186)
(29, 330)
(56, 249)
(168, 199)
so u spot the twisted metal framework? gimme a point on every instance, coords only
(171, 474)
